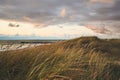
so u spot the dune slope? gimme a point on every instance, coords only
(85, 58)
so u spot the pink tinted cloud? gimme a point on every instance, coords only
(98, 29)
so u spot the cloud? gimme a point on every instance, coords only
(102, 1)
(63, 12)
(114, 27)
(106, 12)
(13, 25)
(101, 30)
(27, 18)
(108, 28)
(70, 11)
(41, 25)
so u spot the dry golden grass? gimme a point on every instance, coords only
(78, 59)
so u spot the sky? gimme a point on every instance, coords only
(59, 19)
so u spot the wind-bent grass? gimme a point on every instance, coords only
(68, 60)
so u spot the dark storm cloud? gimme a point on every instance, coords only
(47, 12)
(109, 12)
(51, 12)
